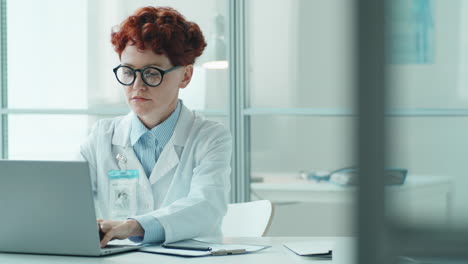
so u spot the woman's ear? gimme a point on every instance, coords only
(188, 72)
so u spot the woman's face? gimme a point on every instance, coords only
(153, 102)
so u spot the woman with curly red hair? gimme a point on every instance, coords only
(160, 173)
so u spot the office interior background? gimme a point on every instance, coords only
(297, 110)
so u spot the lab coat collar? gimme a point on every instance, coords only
(183, 126)
(122, 131)
(182, 129)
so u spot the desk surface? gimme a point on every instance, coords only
(276, 254)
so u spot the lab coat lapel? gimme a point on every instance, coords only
(167, 160)
(121, 144)
(169, 157)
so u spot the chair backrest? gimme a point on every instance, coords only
(251, 219)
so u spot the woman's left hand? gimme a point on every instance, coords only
(119, 230)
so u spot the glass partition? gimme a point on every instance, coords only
(299, 114)
(428, 110)
(426, 127)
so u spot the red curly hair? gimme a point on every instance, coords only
(165, 31)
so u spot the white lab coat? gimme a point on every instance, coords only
(188, 188)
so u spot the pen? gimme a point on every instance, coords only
(199, 248)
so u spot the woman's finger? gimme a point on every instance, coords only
(106, 239)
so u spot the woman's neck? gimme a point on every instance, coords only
(157, 117)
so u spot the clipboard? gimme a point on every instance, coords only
(215, 249)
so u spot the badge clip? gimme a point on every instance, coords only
(122, 162)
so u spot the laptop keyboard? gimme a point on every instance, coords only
(119, 246)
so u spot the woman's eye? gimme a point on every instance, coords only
(151, 74)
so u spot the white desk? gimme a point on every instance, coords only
(277, 254)
(308, 208)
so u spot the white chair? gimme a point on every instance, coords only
(251, 219)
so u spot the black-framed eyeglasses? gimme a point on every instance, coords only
(151, 76)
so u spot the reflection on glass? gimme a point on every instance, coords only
(430, 146)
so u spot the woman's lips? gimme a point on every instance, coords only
(139, 99)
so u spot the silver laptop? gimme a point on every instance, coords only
(46, 207)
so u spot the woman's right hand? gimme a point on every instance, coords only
(109, 230)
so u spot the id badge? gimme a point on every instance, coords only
(123, 193)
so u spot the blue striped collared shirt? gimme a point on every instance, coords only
(148, 145)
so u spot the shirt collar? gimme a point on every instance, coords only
(161, 132)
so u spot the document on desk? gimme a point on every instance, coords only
(212, 249)
(312, 248)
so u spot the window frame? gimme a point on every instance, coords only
(4, 82)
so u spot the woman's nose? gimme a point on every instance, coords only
(139, 84)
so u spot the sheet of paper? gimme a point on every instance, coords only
(310, 248)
